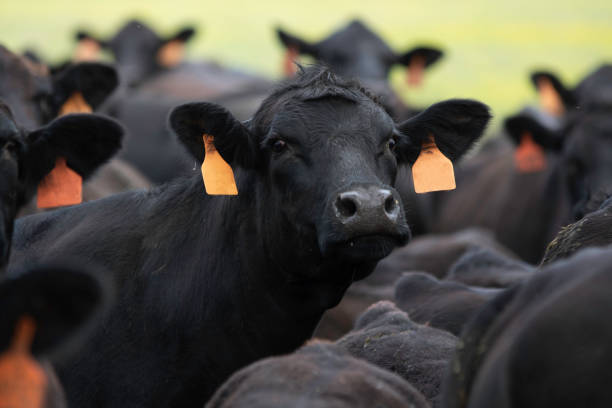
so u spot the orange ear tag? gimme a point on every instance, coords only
(86, 50)
(432, 171)
(63, 186)
(415, 71)
(75, 104)
(217, 174)
(529, 157)
(22, 380)
(550, 101)
(171, 54)
(291, 56)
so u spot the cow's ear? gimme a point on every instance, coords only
(171, 51)
(81, 88)
(454, 126)
(85, 141)
(546, 135)
(296, 44)
(554, 98)
(231, 138)
(416, 61)
(88, 47)
(60, 302)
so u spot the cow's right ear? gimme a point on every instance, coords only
(88, 47)
(231, 138)
(554, 98)
(417, 60)
(58, 302)
(85, 141)
(546, 135)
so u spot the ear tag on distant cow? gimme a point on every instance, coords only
(291, 56)
(75, 104)
(432, 171)
(63, 186)
(217, 174)
(86, 50)
(22, 380)
(529, 157)
(171, 54)
(415, 71)
(550, 100)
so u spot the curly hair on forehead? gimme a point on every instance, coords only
(313, 82)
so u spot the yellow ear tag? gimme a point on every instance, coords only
(415, 71)
(63, 186)
(217, 174)
(432, 171)
(22, 380)
(171, 54)
(86, 50)
(550, 100)
(75, 104)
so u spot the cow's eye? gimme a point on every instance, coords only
(278, 145)
(392, 143)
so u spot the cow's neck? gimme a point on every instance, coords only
(258, 306)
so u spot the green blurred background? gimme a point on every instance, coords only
(490, 45)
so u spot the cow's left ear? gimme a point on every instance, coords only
(231, 138)
(81, 88)
(554, 97)
(85, 141)
(417, 60)
(171, 51)
(454, 126)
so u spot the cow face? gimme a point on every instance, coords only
(140, 52)
(36, 97)
(85, 141)
(587, 158)
(325, 158)
(355, 51)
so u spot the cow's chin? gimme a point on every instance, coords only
(363, 249)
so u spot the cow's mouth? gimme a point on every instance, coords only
(369, 248)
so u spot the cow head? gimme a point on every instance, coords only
(26, 157)
(36, 97)
(321, 156)
(356, 52)
(140, 52)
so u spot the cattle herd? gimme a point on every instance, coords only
(214, 238)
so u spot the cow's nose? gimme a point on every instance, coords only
(366, 204)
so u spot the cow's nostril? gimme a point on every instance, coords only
(390, 205)
(346, 206)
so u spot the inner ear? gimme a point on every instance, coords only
(88, 48)
(191, 121)
(172, 50)
(93, 82)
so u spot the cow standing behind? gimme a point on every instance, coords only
(210, 284)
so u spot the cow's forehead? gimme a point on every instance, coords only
(334, 117)
(354, 37)
(135, 32)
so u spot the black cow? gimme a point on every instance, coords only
(526, 210)
(355, 51)
(85, 141)
(385, 336)
(46, 314)
(140, 52)
(442, 304)
(543, 343)
(36, 98)
(318, 375)
(211, 284)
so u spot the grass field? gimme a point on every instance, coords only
(490, 45)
